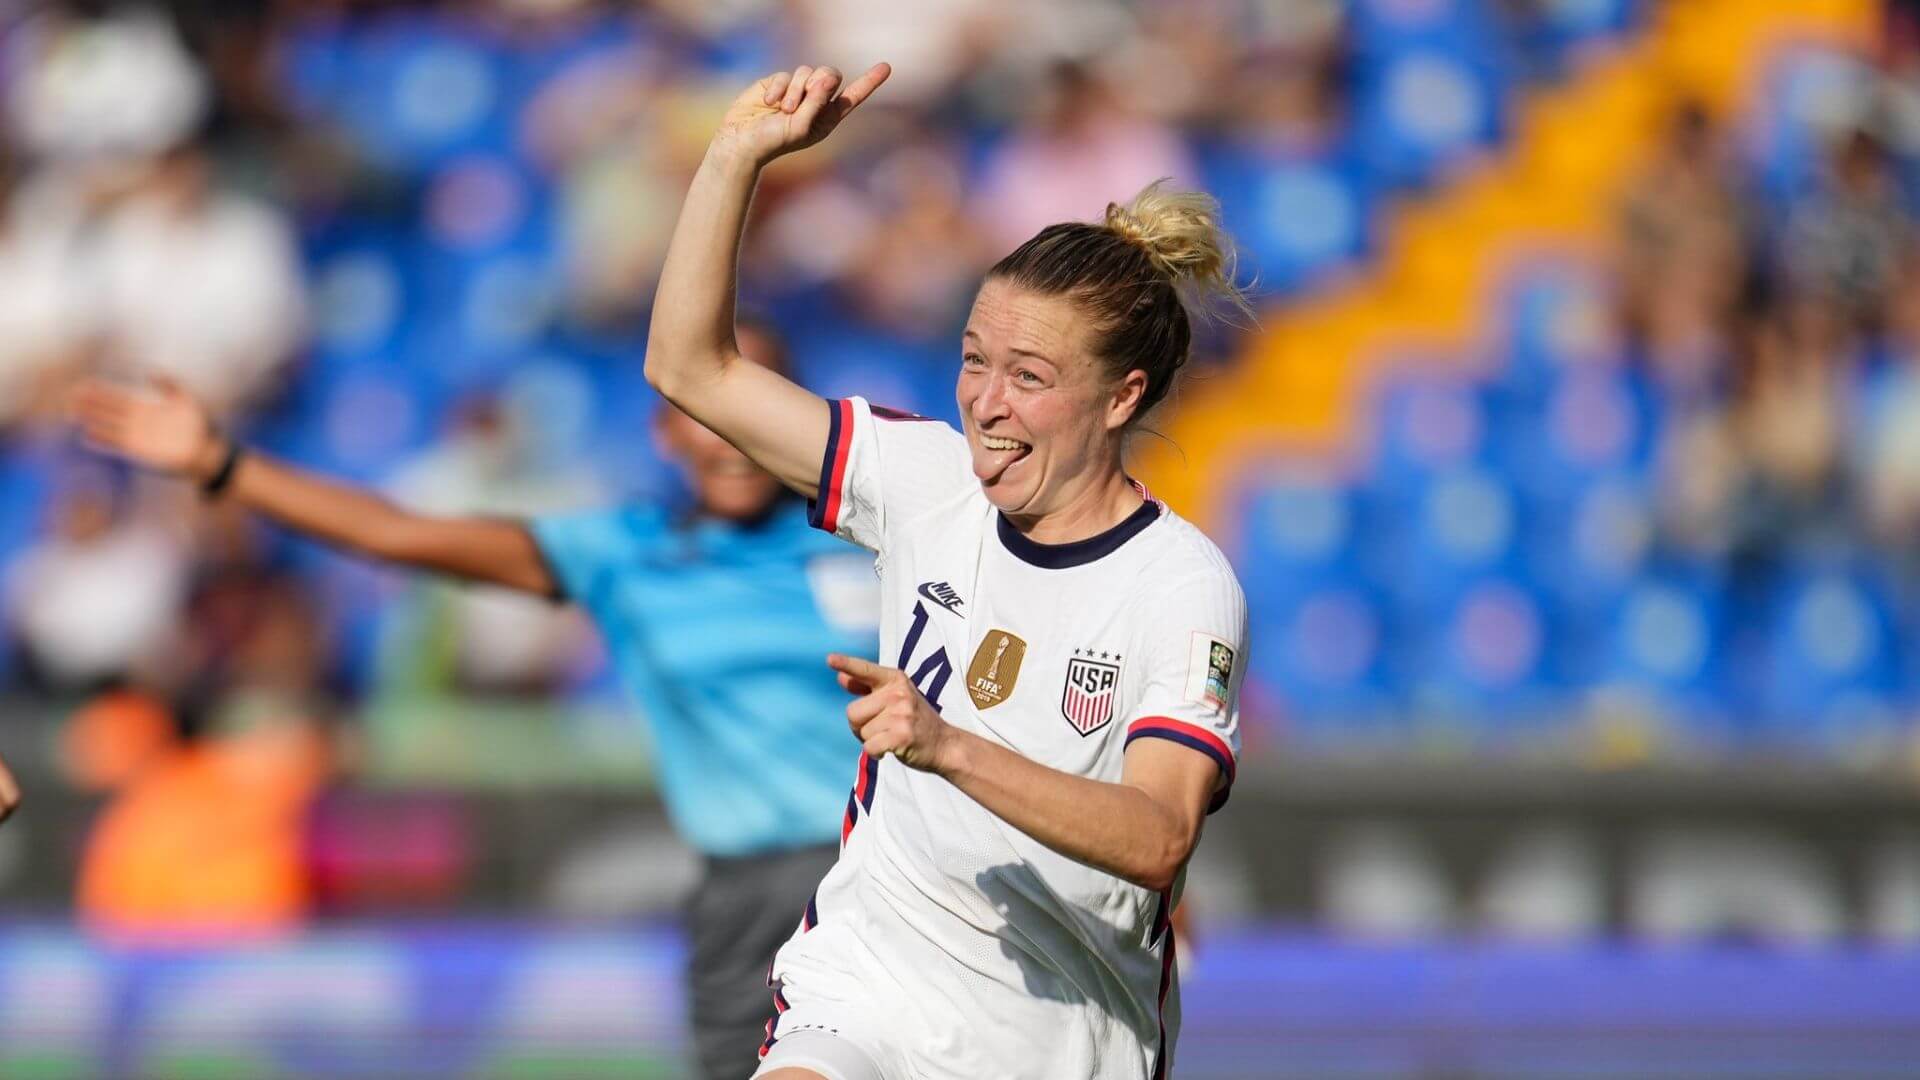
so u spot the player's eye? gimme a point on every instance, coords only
(1028, 377)
(973, 360)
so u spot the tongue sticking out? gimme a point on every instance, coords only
(990, 463)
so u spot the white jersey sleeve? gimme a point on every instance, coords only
(1194, 644)
(884, 468)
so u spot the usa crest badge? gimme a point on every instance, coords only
(1087, 700)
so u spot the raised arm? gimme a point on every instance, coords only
(692, 357)
(164, 429)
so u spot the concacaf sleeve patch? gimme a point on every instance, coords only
(1209, 671)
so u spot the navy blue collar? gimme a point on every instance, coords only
(1078, 552)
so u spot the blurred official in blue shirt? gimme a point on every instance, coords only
(718, 614)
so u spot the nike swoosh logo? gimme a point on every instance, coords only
(951, 603)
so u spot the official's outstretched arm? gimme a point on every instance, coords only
(164, 429)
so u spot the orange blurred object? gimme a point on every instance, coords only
(112, 737)
(208, 842)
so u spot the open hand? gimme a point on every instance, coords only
(159, 427)
(792, 110)
(889, 715)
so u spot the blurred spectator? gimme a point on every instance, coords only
(902, 246)
(607, 127)
(96, 89)
(113, 738)
(1765, 474)
(1890, 437)
(1681, 254)
(42, 314)
(100, 593)
(1081, 149)
(1844, 242)
(1284, 65)
(931, 45)
(198, 285)
(228, 796)
(922, 265)
(497, 460)
(209, 840)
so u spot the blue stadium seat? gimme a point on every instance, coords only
(412, 90)
(1586, 545)
(25, 484)
(838, 357)
(1665, 644)
(1582, 424)
(1293, 530)
(361, 293)
(1377, 26)
(1426, 424)
(1418, 110)
(623, 435)
(1549, 35)
(1578, 21)
(1326, 656)
(1555, 315)
(357, 419)
(609, 36)
(1486, 660)
(1294, 216)
(1834, 659)
(1465, 524)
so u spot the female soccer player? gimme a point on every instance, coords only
(715, 614)
(1059, 716)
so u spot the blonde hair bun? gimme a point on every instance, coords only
(1180, 233)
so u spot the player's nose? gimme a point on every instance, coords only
(991, 402)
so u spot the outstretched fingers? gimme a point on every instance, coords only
(861, 88)
(858, 672)
(852, 685)
(856, 92)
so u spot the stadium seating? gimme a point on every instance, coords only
(1482, 544)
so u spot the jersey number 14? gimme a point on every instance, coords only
(931, 676)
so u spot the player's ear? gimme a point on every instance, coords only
(1125, 401)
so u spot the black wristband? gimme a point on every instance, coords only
(223, 475)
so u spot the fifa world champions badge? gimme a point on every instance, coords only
(1092, 679)
(1209, 671)
(995, 668)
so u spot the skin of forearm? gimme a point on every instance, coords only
(1117, 828)
(366, 524)
(692, 329)
(324, 509)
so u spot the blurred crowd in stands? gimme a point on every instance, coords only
(413, 244)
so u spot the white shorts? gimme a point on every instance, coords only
(928, 1017)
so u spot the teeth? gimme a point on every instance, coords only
(994, 443)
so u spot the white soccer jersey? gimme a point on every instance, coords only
(945, 941)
